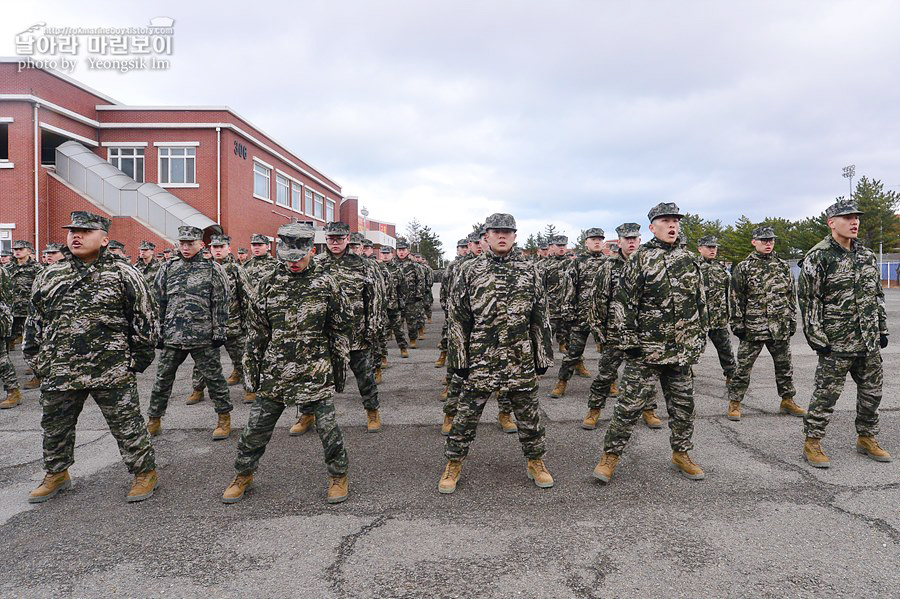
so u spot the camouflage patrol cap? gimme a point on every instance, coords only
(626, 230)
(337, 228)
(842, 208)
(664, 209)
(473, 237)
(5, 252)
(220, 240)
(764, 233)
(259, 238)
(613, 247)
(242, 251)
(53, 247)
(189, 233)
(367, 243)
(594, 232)
(385, 249)
(147, 245)
(88, 220)
(116, 245)
(356, 238)
(559, 240)
(159, 254)
(709, 241)
(294, 241)
(402, 244)
(462, 243)
(544, 245)
(21, 244)
(500, 220)
(167, 251)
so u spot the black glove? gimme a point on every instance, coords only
(739, 333)
(160, 344)
(883, 341)
(462, 373)
(541, 371)
(218, 342)
(820, 349)
(633, 352)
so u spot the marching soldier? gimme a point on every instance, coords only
(146, 264)
(261, 262)
(395, 300)
(22, 270)
(53, 253)
(7, 370)
(462, 249)
(554, 279)
(117, 249)
(414, 285)
(717, 283)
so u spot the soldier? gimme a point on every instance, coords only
(717, 283)
(601, 319)
(763, 313)
(380, 353)
(660, 309)
(357, 278)
(396, 293)
(146, 265)
(54, 253)
(499, 340)
(167, 254)
(578, 286)
(7, 370)
(91, 329)
(462, 249)
(116, 248)
(554, 278)
(844, 320)
(414, 285)
(22, 270)
(193, 296)
(236, 329)
(261, 262)
(428, 299)
(298, 343)
(5, 258)
(242, 255)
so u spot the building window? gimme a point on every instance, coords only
(261, 178)
(177, 166)
(4, 142)
(282, 191)
(320, 206)
(329, 211)
(128, 160)
(6, 236)
(309, 202)
(296, 196)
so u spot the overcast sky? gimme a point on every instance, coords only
(577, 113)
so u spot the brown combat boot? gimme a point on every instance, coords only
(537, 471)
(196, 396)
(143, 486)
(378, 375)
(599, 348)
(442, 359)
(302, 425)
(815, 457)
(13, 398)
(373, 424)
(789, 407)
(413, 345)
(445, 392)
(404, 353)
(223, 427)
(562, 348)
(33, 383)
(869, 446)
(504, 419)
(450, 476)
(338, 489)
(447, 425)
(154, 426)
(235, 491)
(53, 483)
(683, 463)
(581, 371)
(560, 389)
(422, 333)
(613, 389)
(604, 469)
(590, 421)
(734, 411)
(651, 419)
(234, 378)
(249, 396)
(384, 363)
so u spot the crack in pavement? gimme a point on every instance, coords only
(590, 590)
(334, 572)
(41, 459)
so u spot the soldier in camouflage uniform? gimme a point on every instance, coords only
(53, 253)
(356, 276)
(261, 262)
(601, 319)
(413, 285)
(7, 370)
(428, 299)
(661, 312)
(844, 320)
(242, 256)
(380, 353)
(239, 302)
(717, 283)
(146, 264)
(92, 327)
(22, 270)
(578, 286)
(193, 296)
(554, 281)
(298, 343)
(763, 313)
(499, 340)
(462, 249)
(117, 249)
(5, 258)
(396, 292)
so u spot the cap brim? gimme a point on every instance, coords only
(75, 226)
(292, 254)
(848, 213)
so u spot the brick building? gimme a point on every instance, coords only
(206, 166)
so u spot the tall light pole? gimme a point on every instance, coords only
(849, 173)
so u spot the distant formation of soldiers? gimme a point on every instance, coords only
(293, 323)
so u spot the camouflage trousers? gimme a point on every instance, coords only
(721, 339)
(528, 420)
(120, 408)
(443, 345)
(7, 370)
(235, 348)
(574, 352)
(451, 406)
(560, 329)
(207, 360)
(264, 414)
(379, 349)
(607, 373)
(428, 305)
(638, 385)
(364, 371)
(412, 314)
(18, 327)
(748, 351)
(831, 373)
(395, 317)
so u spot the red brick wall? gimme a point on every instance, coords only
(17, 184)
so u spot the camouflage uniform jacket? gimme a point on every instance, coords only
(240, 298)
(399, 281)
(841, 298)
(92, 326)
(6, 304)
(298, 336)
(193, 298)
(388, 286)
(498, 326)
(447, 279)
(257, 267)
(429, 283)
(357, 278)
(603, 294)
(23, 276)
(717, 283)
(149, 270)
(763, 299)
(578, 287)
(662, 305)
(554, 280)
(414, 279)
